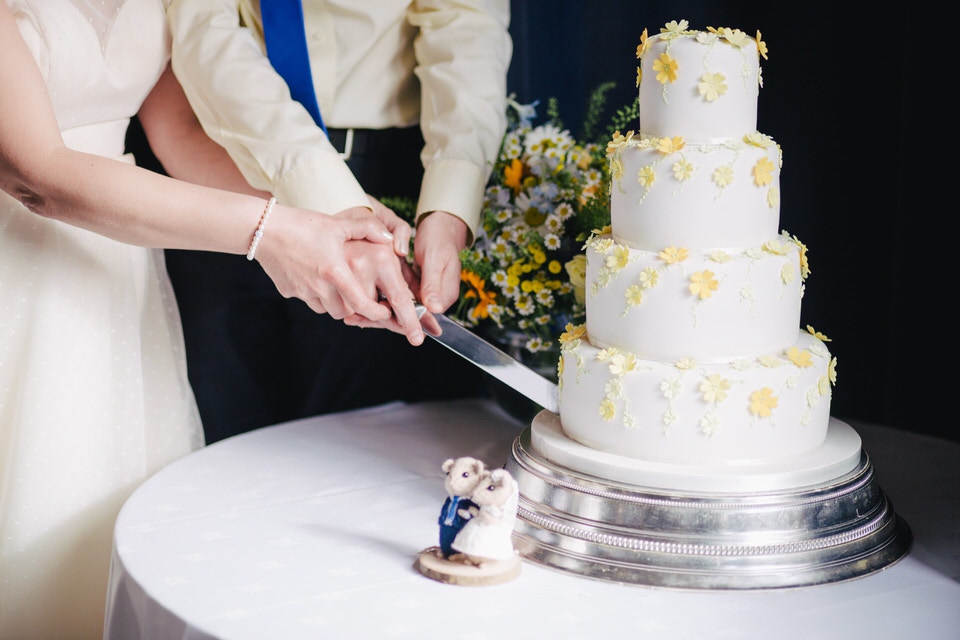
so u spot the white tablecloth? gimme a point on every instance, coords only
(310, 530)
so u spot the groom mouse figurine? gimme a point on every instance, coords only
(463, 476)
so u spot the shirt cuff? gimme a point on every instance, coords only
(454, 186)
(323, 184)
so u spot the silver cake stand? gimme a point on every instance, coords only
(820, 519)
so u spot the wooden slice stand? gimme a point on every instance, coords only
(432, 564)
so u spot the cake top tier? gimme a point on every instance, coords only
(702, 85)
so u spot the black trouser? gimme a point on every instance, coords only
(256, 358)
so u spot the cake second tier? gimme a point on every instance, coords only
(719, 305)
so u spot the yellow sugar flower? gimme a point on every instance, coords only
(618, 258)
(675, 27)
(646, 176)
(703, 284)
(618, 141)
(682, 169)
(622, 363)
(761, 46)
(607, 409)
(714, 388)
(639, 76)
(723, 176)
(685, 364)
(573, 332)
(832, 371)
(734, 36)
(773, 197)
(634, 295)
(757, 139)
(642, 47)
(666, 68)
(674, 255)
(817, 334)
(648, 278)
(763, 402)
(763, 172)
(667, 145)
(712, 86)
(802, 359)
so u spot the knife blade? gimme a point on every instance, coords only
(494, 361)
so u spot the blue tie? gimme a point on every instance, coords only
(286, 43)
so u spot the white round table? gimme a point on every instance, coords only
(310, 529)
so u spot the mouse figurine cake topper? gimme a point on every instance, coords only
(476, 526)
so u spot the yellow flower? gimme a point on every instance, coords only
(714, 388)
(477, 290)
(762, 172)
(668, 145)
(513, 175)
(607, 409)
(763, 402)
(673, 255)
(675, 27)
(773, 197)
(723, 176)
(618, 258)
(573, 333)
(577, 270)
(817, 334)
(648, 278)
(622, 363)
(646, 176)
(703, 284)
(832, 371)
(712, 86)
(682, 169)
(800, 358)
(666, 68)
(554, 267)
(618, 141)
(685, 364)
(634, 295)
(761, 46)
(642, 47)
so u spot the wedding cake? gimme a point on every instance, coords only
(692, 351)
(694, 445)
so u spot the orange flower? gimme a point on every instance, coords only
(513, 175)
(477, 290)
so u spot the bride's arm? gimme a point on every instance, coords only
(302, 251)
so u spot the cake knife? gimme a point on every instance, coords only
(494, 361)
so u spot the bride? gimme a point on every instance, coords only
(94, 396)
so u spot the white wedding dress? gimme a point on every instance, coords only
(94, 396)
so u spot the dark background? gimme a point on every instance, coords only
(854, 93)
(849, 93)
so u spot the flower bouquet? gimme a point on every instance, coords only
(522, 281)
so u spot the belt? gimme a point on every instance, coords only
(358, 142)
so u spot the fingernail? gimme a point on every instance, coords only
(387, 235)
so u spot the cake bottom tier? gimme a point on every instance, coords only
(754, 529)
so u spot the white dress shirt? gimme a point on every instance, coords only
(375, 64)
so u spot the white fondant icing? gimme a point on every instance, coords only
(678, 109)
(646, 306)
(684, 201)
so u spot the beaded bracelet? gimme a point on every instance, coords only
(259, 232)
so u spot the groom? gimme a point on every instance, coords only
(410, 102)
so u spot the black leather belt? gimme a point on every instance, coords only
(359, 142)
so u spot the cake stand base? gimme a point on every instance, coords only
(821, 519)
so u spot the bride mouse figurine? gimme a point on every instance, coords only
(486, 537)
